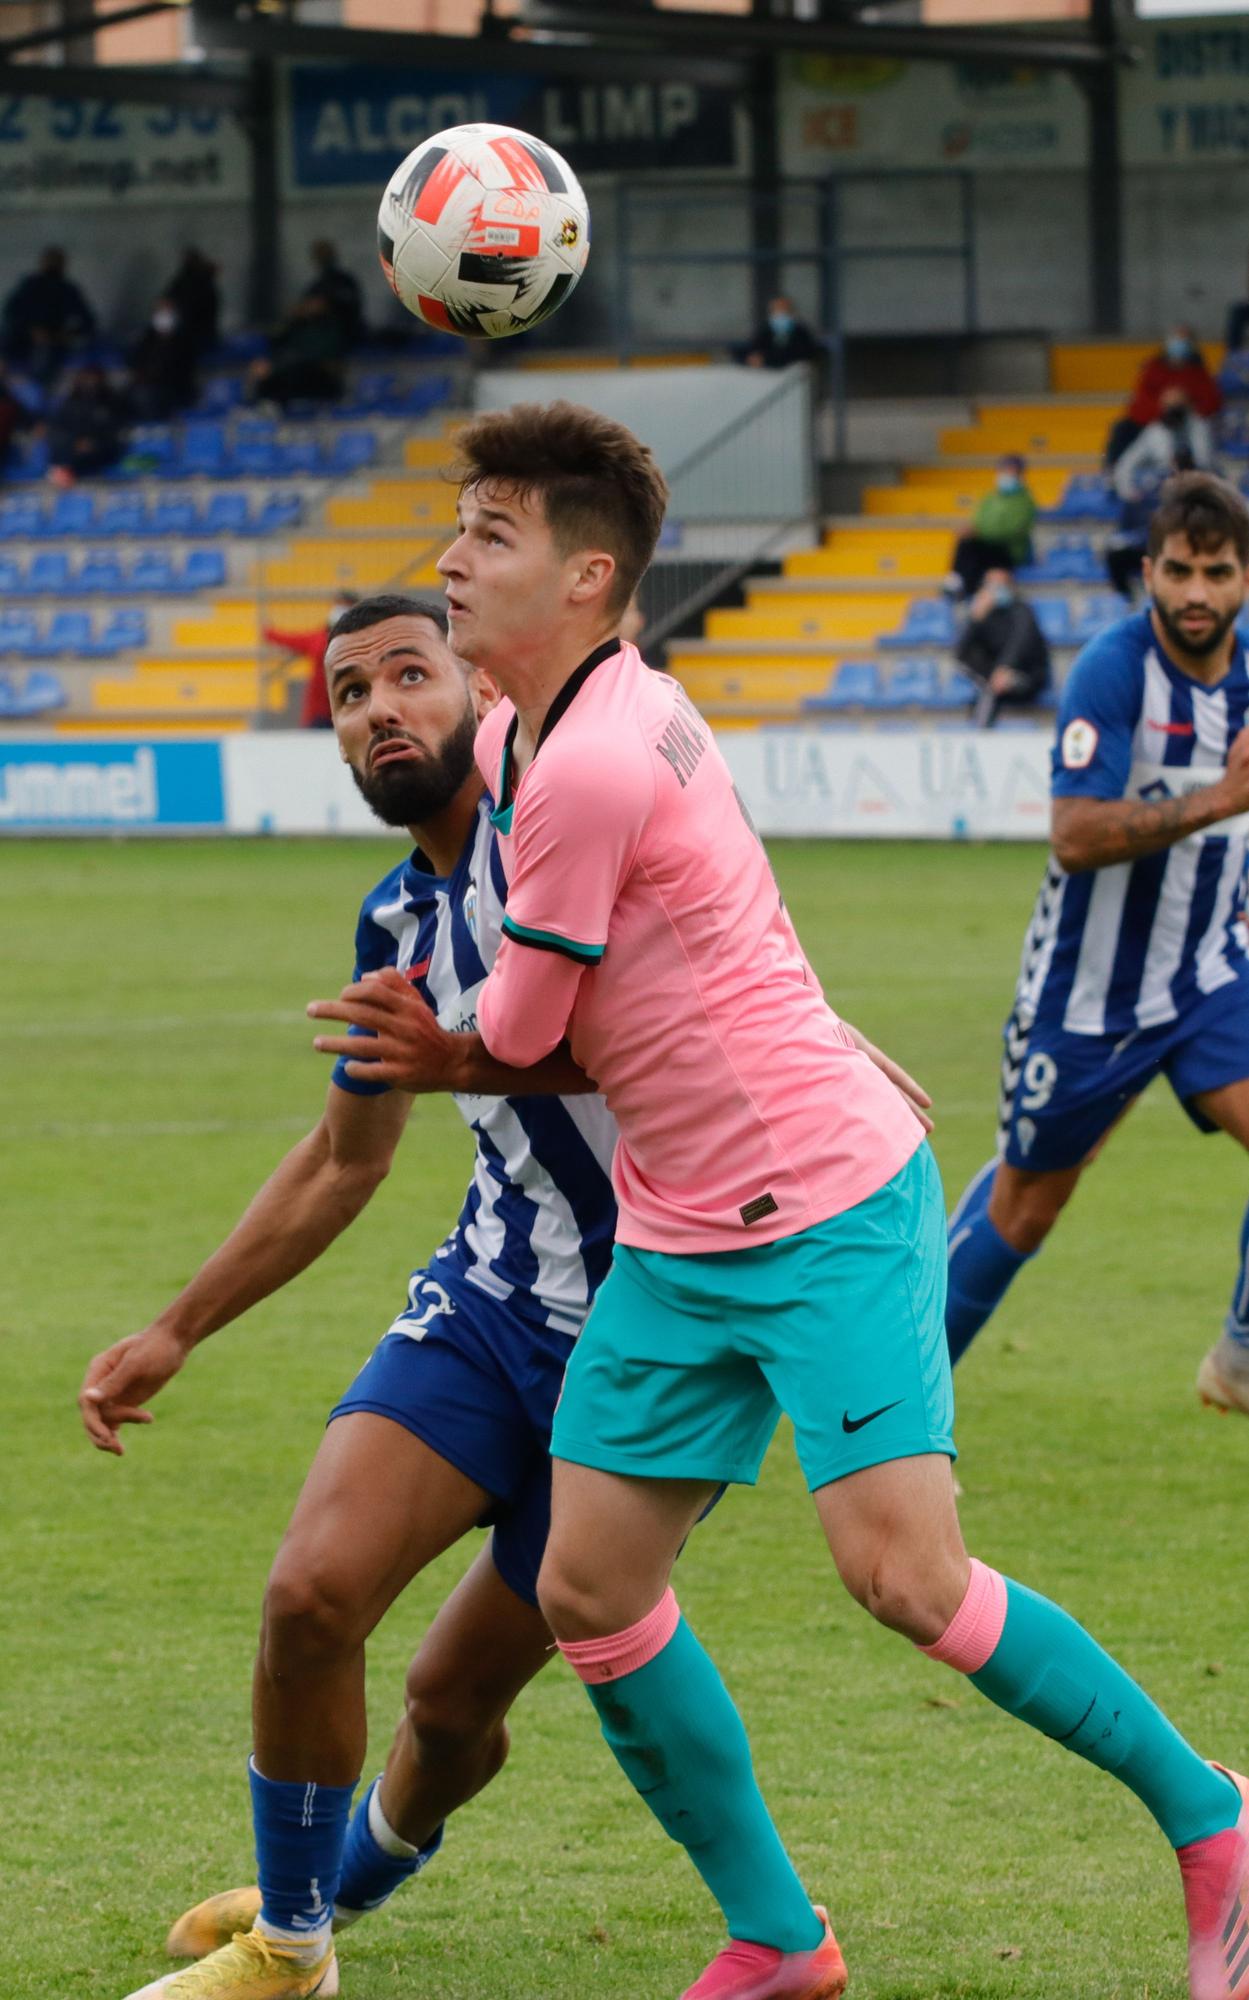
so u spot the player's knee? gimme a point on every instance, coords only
(1027, 1215)
(568, 1596)
(308, 1616)
(910, 1595)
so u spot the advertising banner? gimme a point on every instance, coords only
(910, 784)
(71, 153)
(863, 111)
(350, 125)
(109, 785)
(1186, 103)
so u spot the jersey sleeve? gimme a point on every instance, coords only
(576, 831)
(1097, 718)
(375, 948)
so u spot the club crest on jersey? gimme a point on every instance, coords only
(1079, 744)
(470, 910)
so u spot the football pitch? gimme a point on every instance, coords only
(156, 1065)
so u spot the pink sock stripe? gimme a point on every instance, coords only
(624, 1652)
(973, 1632)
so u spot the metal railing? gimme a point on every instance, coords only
(733, 503)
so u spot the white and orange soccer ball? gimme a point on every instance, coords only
(483, 231)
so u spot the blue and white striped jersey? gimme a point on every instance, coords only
(1116, 949)
(538, 1222)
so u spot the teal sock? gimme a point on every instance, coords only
(1046, 1670)
(672, 1727)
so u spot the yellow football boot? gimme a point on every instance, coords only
(213, 1923)
(250, 1967)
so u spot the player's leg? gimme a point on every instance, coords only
(1210, 1074)
(377, 1506)
(1061, 1096)
(486, 1644)
(883, 1490)
(657, 1410)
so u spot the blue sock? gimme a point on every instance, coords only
(981, 1264)
(672, 1727)
(300, 1831)
(370, 1874)
(1236, 1324)
(1049, 1672)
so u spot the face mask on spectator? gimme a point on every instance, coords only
(1008, 482)
(1003, 595)
(781, 324)
(164, 320)
(1178, 349)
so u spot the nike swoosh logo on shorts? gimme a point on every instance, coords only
(849, 1423)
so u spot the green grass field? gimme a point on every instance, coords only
(156, 1065)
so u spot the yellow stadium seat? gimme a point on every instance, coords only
(1094, 367)
(425, 505)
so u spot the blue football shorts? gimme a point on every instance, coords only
(1061, 1093)
(478, 1384)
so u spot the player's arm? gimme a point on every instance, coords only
(1098, 833)
(399, 1042)
(321, 1186)
(914, 1093)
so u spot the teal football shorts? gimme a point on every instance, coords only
(687, 1362)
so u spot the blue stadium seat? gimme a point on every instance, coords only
(958, 690)
(226, 514)
(173, 517)
(204, 569)
(48, 572)
(40, 693)
(12, 575)
(71, 514)
(202, 448)
(298, 455)
(350, 450)
(929, 621)
(100, 576)
(125, 631)
(154, 573)
(122, 517)
(20, 518)
(221, 394)
(1087, 497)
(256, 458)
(19, 633)
(1053, 615)
(913, 684)
(29, 462)
(280, 510)
(8, 697)
(1107, 608)
(65, 632)
(856, 684)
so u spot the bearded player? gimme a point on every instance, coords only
(781, 1234)
(1135, 963)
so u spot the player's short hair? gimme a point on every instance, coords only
(598, 484)
(1206, 510)
(386, 604)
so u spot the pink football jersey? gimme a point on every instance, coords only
(644, 922)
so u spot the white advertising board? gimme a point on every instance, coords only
(69, 153)
(928, 784)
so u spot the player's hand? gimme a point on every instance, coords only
(1235, 781)
(407, 1048)
(915, 1094)
(119, 1381)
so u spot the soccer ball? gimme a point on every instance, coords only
(483, 230)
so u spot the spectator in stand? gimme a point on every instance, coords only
(1003, 648)
(162, 365)
(782, 339)
(86, 428)
(1179, 441)
(339, 290)
(1176, 366)
(1001, 530)
(46, 317)
(315, 710)
(193, 292)
(306, 360)
(14, 415)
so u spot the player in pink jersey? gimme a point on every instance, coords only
(782, 1233)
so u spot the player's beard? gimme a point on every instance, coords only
(408, 793)
(1184, 642)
